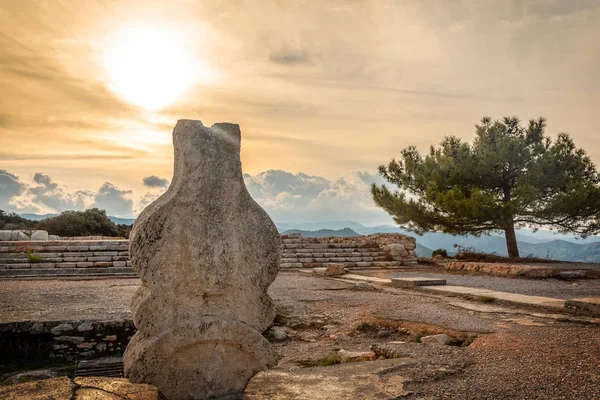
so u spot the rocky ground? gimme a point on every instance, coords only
(495, 353)
(344, 340)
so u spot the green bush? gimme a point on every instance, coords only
(441, 252)
(11, 221)
(92, 222)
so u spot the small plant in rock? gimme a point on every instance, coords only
(33, 258)
(332, 358)
(484, 299)
(440, 252)
(416, 336)
(364, 327)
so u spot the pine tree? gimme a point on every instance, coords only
(509, 176)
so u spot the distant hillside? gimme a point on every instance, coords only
(120, 221)
(423, 251)
(37, 217)
(346, 232)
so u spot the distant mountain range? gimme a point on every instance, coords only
(542, 244)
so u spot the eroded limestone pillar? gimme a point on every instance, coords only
(206, 253)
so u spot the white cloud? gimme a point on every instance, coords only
(10, 187)
(287, 197)
(115, 201)
(154, 181)
(304, 198)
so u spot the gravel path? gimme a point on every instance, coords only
(533, 287)
(534, 363)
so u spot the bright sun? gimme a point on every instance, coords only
(151, 66)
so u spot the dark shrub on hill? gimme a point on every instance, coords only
(91, 222)
(14, 221)
(441, 252)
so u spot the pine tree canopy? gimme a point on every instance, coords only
(508, 176)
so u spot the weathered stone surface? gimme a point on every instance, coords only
(56, 389)
(61, 329)
(366, 380)
(334, 269)
(85, 327)
(206, 253)
(29, 376)
(279, 333)
(119, 388)
(39, 235)
(88, 388)
(355, 356)
(442, 338)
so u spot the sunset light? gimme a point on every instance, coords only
(151, 66)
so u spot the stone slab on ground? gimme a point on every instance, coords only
(513, 298)
(417, 281)
(563, 270)
(585, 306)
(557, 288)
(502, 269)
(459, 290)
(364, 278)
(364, 380)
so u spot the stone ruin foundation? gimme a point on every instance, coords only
(206, 253)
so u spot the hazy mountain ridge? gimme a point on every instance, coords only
(542, 244)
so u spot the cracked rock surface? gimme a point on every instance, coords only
(88, 388)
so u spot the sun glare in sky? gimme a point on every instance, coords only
(152, 66)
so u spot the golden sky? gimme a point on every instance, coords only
(90, 90)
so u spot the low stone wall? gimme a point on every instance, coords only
(80, 238)
(70, 256)
(64, 254)
(377, 250)
(63, 339)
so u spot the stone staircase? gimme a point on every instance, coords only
(297, 253)
(100, 258)
(65, 258)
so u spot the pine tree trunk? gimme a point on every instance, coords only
(511, 241)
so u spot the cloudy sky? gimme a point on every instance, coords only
(324, 91)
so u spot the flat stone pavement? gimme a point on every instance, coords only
(556, 288)
(64, 300)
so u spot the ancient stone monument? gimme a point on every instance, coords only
(206, 253)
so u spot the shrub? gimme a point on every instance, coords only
(332, 358)
(14, 221)
(364, 327)
(90, 222)
(484, 299)
(33, 258)
(416, 335)
(441, 252)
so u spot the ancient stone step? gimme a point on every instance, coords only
(72, 263)
(63, 246)
(417, 281)
(11, 273)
